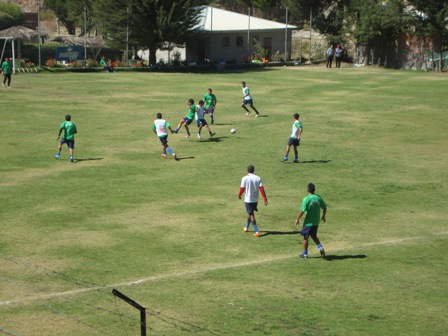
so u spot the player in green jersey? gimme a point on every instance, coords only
(311, 205)
(7, 71)
(210, 104)
(70, 130)
(188, 119)
(294, 140)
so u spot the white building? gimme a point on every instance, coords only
(230, 36)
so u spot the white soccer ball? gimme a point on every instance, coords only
(233, 130)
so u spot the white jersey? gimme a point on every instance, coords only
(246, 91)
(160, 126)
(200, 111)
(252, 184)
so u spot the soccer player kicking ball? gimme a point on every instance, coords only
(188, 119)
(252, 185)
(311, 205)
(294, 140)
(160, 128)
(247, 100)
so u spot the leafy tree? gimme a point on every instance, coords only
(10, 15)
(71, 13)
(152, 23)
(431, 19)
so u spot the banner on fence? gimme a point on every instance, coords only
(74, 53)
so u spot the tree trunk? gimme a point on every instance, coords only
(152, 55)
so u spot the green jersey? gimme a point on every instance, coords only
(191, 112)
(210, 100)
(7, 68)
(69, 130)
(312, 204)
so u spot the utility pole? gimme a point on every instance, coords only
(38, 30)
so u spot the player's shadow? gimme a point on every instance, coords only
(86, 159)
(185, 158)
(316, 161)
(214, 139)
(276, 233)
(330, 257)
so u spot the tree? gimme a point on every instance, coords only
(431, 19)
(71, 13)
(152, 23)
(10, 15)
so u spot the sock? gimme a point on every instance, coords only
(247, 225)
(319, 246)
(297, 158)
(59, 153)
(255, 228)
(305, 252)
(176, 130)
(169, 151)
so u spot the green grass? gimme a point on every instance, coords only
(374, 143)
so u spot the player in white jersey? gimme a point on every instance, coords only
(160, 127)
(251, 185)
(294, 140)
(201, 122)
(247, 100)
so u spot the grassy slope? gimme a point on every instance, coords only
(374, 144)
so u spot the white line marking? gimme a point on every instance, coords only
(193, 272)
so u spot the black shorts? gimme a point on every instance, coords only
(163, 139)
(294, 142)
(188, 121)
(70, 143)
(251, 207)
(309, 231)
(202, 122)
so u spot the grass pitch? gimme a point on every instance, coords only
(168, 234)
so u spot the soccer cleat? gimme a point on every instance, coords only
(245, 229)
(175, 157)
(199, 135)
(164, 155)
(175, 131)
(212, 134)
(71, 158)
(296, 161)
(303, 255)
(257, 115)
(3, 84)
(285, 158)
(187, 136)
(322, 252)
(56, 156)
(248, 113)
(257, 234)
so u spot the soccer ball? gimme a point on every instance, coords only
(233, 130)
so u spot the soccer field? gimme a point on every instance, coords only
(168, 234)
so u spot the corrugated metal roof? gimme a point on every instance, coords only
(215, 19)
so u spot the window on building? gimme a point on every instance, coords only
(226, 42)
(239, 41)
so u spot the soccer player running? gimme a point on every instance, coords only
(251, 184)
(201, 122)
(247, 100)
(210, 104)
(294, 140)
(160, 127)
(188, 119)
(311, 205)
(70, 130)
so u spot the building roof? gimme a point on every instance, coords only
(220, 20)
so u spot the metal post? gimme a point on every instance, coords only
(311, 24)
(135, 305)
(248, 34)
(127, 37)
(286, 36)
(85, 38)
(38, 30)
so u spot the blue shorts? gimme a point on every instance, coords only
(294, 142)
(70, 143)
(309, 231)
(201, 122)
(248, 102)
(163, 139)
(188, 121)
(210, 110)
(251, 207)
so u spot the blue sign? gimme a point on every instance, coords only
(74, 53)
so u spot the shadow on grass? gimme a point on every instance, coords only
(268, 233)
(316, 161)
(185, 158)
(87, 159)
(343, 257)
